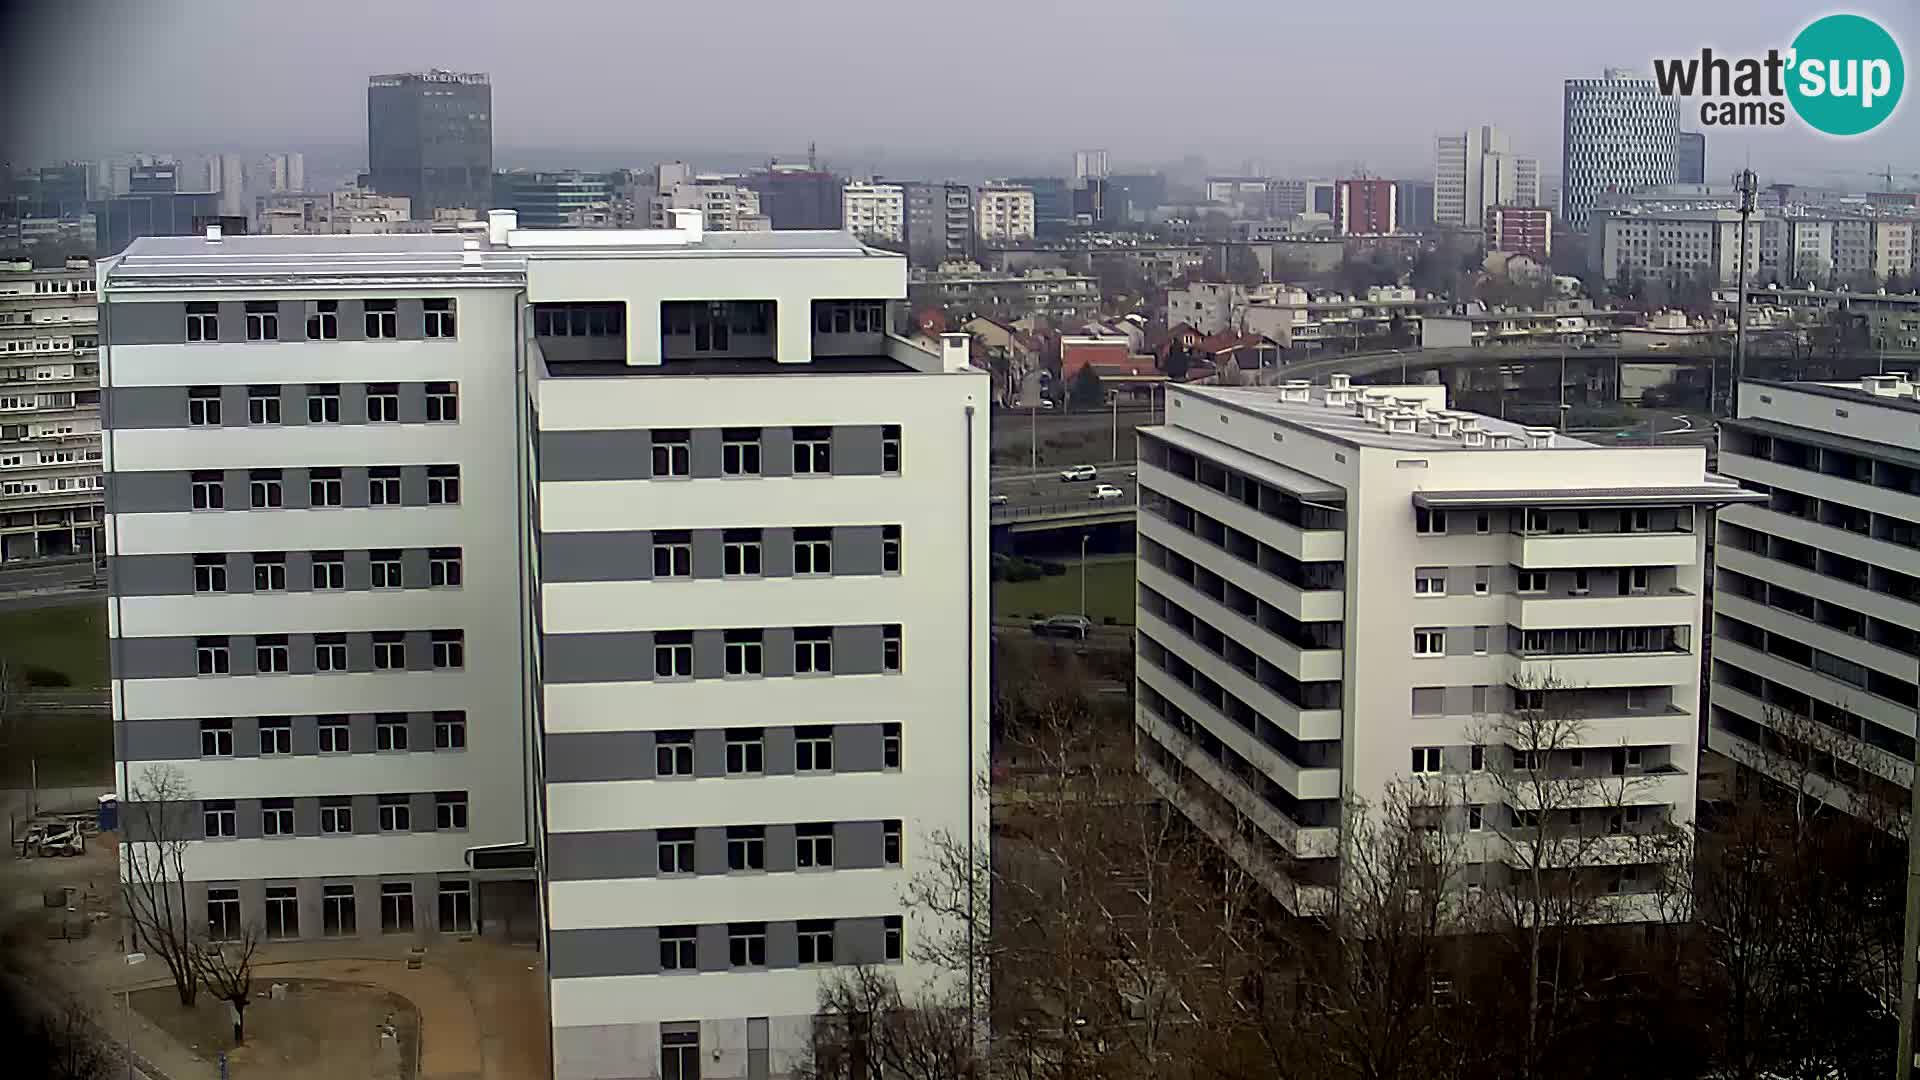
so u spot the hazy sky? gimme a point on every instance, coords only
(1295, 86)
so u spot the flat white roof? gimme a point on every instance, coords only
(1340, 423)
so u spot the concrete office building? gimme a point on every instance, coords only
(1090, 165)
(1618, 133)
(1003, 214)
(726, 203)
(939, 221)
(1476, 170)
(1052, 203)
(1342, 588)
(875, 210)
(667, 523)
(798, 196)
(430, 138)
(1676, 246)
(49, 412)
(1690, 167)
(1817, 587)
(557, 200)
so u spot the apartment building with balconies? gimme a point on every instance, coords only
(1817, 588)
(1344, 590)
(49, 411)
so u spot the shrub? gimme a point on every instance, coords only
(36, 677)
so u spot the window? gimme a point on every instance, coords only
(203, 322)
(674, 851)
(325, 488)
(813, 846)
(276, 735)
(270, 655)
(1637, 578)
(211, 656)
(384, 568)
(382, 318)
(673, 654)
(1479, 756)
(816, 941)
(450, 811)
(1431, 641)
(1533, 581)
(890, 449)
(1426, 759)
(812, 450)
(323, 403)
(812, 551)
(1582, 521)
(396, 907)
(329, 570)
(743, 653)
(443, 568)
(203, 406)
(396, 813)
(443, 485)
(263, 405)
(890, 842)
(269, 571)
(443, 402)
(276, 817)
(216, 738)
(680, 1053)
(209, 573)
(740, 452)
(450, 731)
(813, 749)
(336, 910)
(389, 651)
(1482, 580)
(1527, 700)
(1483, 523)
(893, 940)
(209, 492)
(217, 819)
(1429, 583)
(1480, 635)
(1475, 817)
(813, 650)
(740, 553)
(890, 549)
(335, 735)
(890, 653)
(672, 554)
(1580, 583)
(747, 945)
(677, 952)
(672, 452)
(673, 754)
(449, 649)
(1429, 522)
(438, 318)
(1534, 521)
(223, 914)
(746, 847)
(390, 731)
(1639, 521)
(383, 403)
(746, 751)
(1529, 760)
(323, 323)
(264, 490)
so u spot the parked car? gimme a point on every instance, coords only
(1103, 492)
(1064, 626)
(1079, 472)
(997, 499)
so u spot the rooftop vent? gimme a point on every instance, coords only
(470, 253)
(1401, 423)
(1539, 438)
(499, 224)
(213, 233)
(1472, 437)
(1340, 380)
(1443, 426)
(1877, 385)
(1295, 390)
(1502, 440)
(1416, 406)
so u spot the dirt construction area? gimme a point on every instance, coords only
(316, 1030)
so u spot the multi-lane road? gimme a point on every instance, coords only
(1030, 491)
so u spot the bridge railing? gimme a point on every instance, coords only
(1063, 508)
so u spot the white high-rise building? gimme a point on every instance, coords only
(1817, 587)
(1090, 165)
(665, 522)
(1477, 170)
(875, 210)
(1003, 214)
(49, 411)
(1618, 134)
(1677, 245)
(1345, 588)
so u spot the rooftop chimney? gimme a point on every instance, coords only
(213, 233)
(499, 224)
(691, 222)
(1339, 380)
(1539, 438)
(1473, 437)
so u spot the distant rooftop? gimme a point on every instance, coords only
(1896, 391)
(1340, 422)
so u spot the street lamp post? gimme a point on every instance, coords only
(1116, 427)
(126, 1016)
(1910, 936)
(1084, 537)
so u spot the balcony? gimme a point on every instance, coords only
(1548, 551)
(1568, 611)
(1306, 545)
(1306, 605)
(1305, 842)
(1307, 665)
(1676, 669)
(1306, 900)
(1301, 783)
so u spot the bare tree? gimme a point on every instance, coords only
(1825, 765)
(156, 829)
(226, 967)
(865, 1028)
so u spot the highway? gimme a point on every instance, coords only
(1030, 492)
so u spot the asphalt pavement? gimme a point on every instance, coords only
(1029, 490)
(37, 584)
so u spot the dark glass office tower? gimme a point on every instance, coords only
(430, 138)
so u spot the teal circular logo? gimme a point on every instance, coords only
(1847, 75)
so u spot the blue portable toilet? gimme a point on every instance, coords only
(109, 812)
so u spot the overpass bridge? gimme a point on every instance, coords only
(1365, 365)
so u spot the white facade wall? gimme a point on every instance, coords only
(1618, 134)
(1004, 215)
(1476, 170)
(877, 210)
(1679, 245)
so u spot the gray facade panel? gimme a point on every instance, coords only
(246, 736)
(419, 650)
(591, 953)
(353, 403)
(360, 652)
(419, 730)
(163, 323)
(710, 850)
(777, 651)
(233, 321)
(366, 812)
(413, 401)
(150, 575)
(601, 856)
(858, 845)
(783, 945)
(413, 568)
(151, 492)
(233, 404)
(158, 740)
(130, 408)
(856, 450)
(598, 556)
(593, 756)
(412, 327)
(709, 554)
(711, 947)
(306, 822)
(709, 753)
(709, 654)
(780, 853)
(353, 322)
(859, 941)
(779, 751)
(306, 729)
(359, 569)
(421, 804)
(142, 821)
(589, 658)
(856, 549)
(413, 485)
(596, 455)
(704, 453)
(856, 748)
(776, 451)
(246, 816)
(158, 658)
(293, 320)
(856, 650)
(776, 552)
(360, 733)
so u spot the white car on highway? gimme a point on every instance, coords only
(1103, 492)
(1079, 472)
(998, 498)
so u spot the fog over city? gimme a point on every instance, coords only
(1000, 85)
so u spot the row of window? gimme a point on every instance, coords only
(747, 848)
(219, 818)
(58, 399)
(1432, 581)
(1534, 521)
(264, 404)
(746, 652)
(380, 320)
(747, 946)
(1430, 760)
(717, 321)
(747, 751)
(266, 488)
(338, 917)
(386, 569)
(272, 654)
(390, 734)
(741, 551)
(740, 451)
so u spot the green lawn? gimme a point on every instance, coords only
(1109, 593)
(71, 638)
(65, 748)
